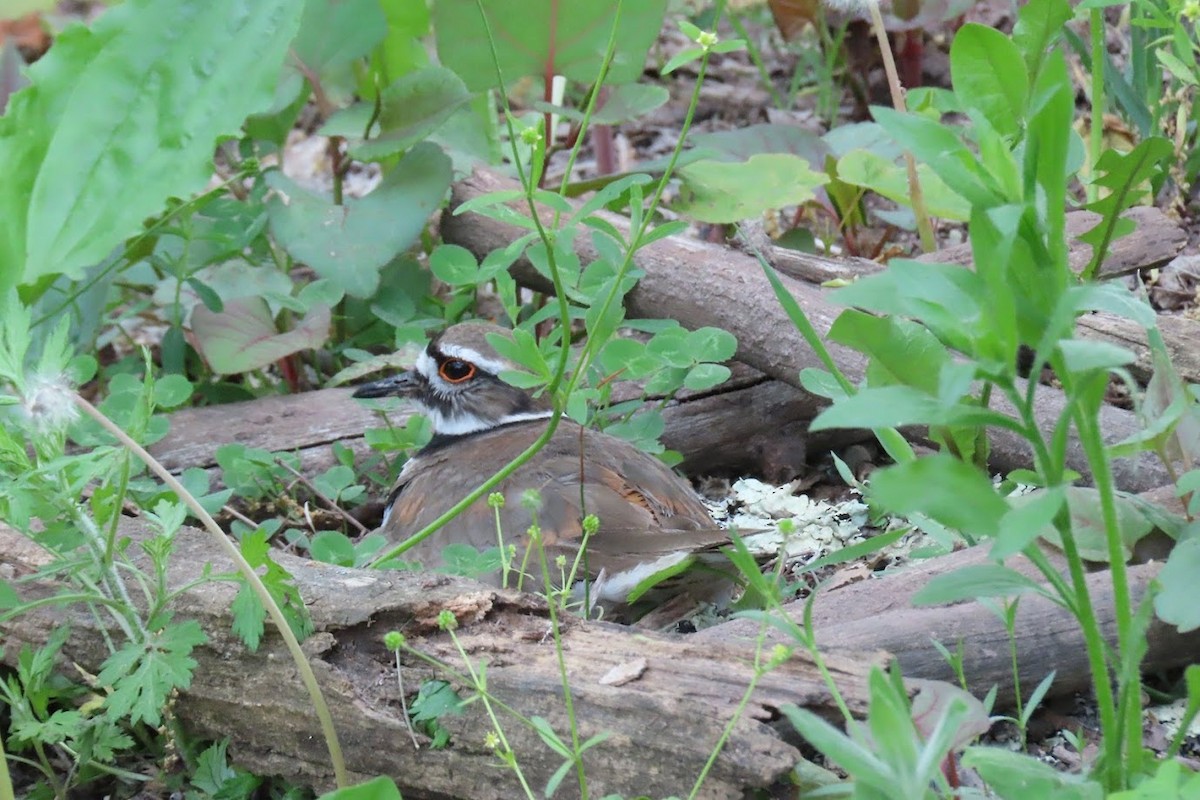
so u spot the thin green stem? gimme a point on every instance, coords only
(760, 669)
(564, 678)
(1095, 647)
(480, 685)
(252, 579)
(1131, 733)
(916, 195)
(1096, 134)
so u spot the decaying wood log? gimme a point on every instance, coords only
(878, 612)
(664, 720)
(701, 284)
(1156, 240)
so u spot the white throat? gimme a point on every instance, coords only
(461, 424)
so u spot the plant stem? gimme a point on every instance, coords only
(916, 196)
(1096, 134)
(252, 579)
(6, 787)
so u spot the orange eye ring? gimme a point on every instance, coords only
(455, 370)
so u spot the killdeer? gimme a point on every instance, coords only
(650, 519)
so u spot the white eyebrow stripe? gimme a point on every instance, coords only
(425, 365)
(474, 357)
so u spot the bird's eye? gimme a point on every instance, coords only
(455, 370)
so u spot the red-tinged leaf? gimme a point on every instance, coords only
(244, 336)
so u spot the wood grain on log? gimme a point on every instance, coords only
(701, 284)
(663, 725)
(878, 613)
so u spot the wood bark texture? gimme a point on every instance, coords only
(663, 723)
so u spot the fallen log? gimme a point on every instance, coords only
(878, 612)
(701, 284)
(663, 723)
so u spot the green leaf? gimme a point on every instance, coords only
(1176, 603)
(130, 109)
(545, 37)
(975, 581)
(142, 676)
(334, 36)
(171, 390)
(1125, 181)
(940, 147)
(716, 191)
(711, 344)
(989, 75)
(1027, 519)
(332, 547)
(901, 351)
(1082, 355)
(821, 383)
(834, 744)
(742, 143)
(411, 109)
(349, 244)
(1016, 776)
(453, 264)
(1087, 524)
(380, 788)
(1039, 25)
(244, 337)
(943, 488)
(705, 376)
(890, 180)
(950, 300)
(894, 406)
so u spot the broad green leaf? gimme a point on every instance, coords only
(1039, 24)
(821, 383)
(889, 179)
(545, 37)
(947, 298)
(705, 376)
(742, 143)
(1087, 524)
(973, 582)
(715, 191)
(380, 788)
(1048, 133)
(402, 49)
(940, 147)
(1083, 355)
(453, 264)
(350, 243)
(901, 351)
(896, 406)
(1017, 776)
(123, 116)
(989, 75)
(943, 488)
(711, 344)
(411, 109)
(334, 36)
(1025, 521)
(244, 336)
